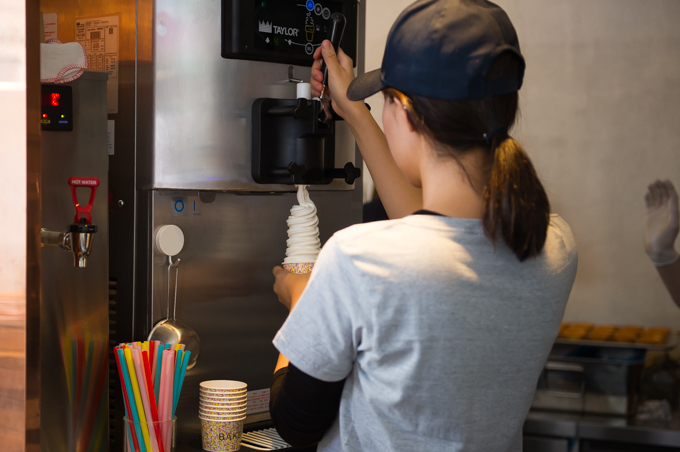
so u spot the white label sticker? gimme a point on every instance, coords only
(50, 23)
(258, 401)
(111, 135)
(99, 37)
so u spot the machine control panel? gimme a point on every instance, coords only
(56, 108)
(283, 31)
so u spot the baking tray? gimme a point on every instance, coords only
(669, 345)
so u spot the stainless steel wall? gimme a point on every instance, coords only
(74, 328)
(225, 281)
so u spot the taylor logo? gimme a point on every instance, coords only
(286, 31)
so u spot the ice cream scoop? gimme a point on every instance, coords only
(303, 233)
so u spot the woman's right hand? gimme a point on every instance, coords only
(340, 75)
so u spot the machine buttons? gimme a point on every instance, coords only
(56, 108)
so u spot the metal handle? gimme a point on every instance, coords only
(172, 264)
(337, 32)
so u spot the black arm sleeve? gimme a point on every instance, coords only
(302, 407)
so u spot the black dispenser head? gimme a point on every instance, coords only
(291, 146)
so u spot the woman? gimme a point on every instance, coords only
(429, 331)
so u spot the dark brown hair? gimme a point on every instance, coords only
(516, 206)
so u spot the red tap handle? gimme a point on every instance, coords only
(89, 182)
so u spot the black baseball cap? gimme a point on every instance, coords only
(443, 49)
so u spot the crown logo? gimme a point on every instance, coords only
(266, 27)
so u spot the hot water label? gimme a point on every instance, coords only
(258, 401)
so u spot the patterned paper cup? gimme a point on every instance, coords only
(223, 386)
(209, 397)
(217, 406)
(224, 395)
(222, 413)
(299, 269)
(221, 436)
(222, 418)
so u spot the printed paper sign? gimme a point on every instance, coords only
(99, 37)
(258, 401)
(50, 23)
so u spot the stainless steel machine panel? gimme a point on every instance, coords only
(225, 281)
(195, 129)
(74, 334)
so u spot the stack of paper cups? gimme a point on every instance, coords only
(222, 409)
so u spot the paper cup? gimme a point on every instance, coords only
(217, 405)
(223, 386)
(221, 418)
(221, 436)
(299, 269)
(215, 410)
(223, 413)
(230, 395)
(209, 397)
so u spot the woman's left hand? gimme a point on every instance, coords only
(289, 286)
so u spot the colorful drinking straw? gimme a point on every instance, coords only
(178, 387)
(139, 371)
(132, 408)
(152, 400)
(138, 399)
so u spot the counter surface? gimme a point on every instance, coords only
(604, 428)
(561, 425)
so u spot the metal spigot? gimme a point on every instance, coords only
(51, 238)
(79, 237)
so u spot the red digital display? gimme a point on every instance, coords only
(50, 99)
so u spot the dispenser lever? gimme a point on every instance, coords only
(338, 23)
(337, 31)
(88, 182)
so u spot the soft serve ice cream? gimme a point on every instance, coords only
(303, 235)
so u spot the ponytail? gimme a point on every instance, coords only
(516, 206)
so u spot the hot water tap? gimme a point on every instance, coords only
(78, 238)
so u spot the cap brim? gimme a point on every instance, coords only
(365, 86)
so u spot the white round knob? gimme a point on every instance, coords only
(169, 240)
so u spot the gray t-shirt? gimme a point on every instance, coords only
(440, 336)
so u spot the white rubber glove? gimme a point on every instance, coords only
(662, 225)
